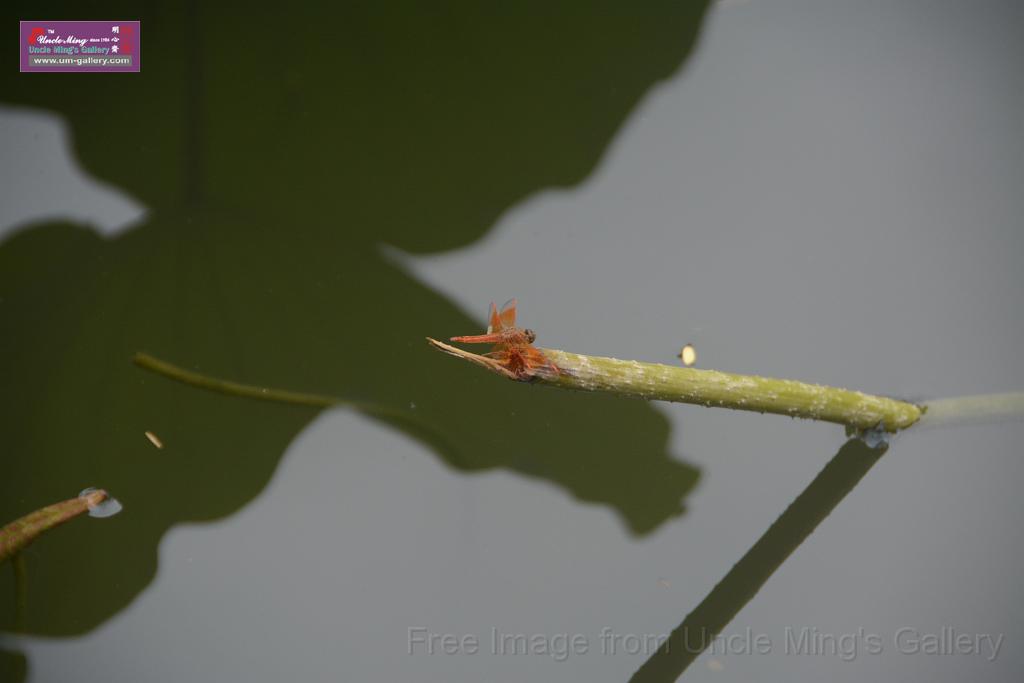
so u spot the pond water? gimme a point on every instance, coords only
(825, 191)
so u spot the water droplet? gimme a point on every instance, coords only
(874, 437)
(108, 507)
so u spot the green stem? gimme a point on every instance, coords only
(18, 534)
(224, 386)
(973, 409)
(738, 587)
(396, 417)
(20, 592)
(710, 388)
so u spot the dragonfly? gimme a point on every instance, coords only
(513, 346)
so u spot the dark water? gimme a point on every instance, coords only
(825, 191)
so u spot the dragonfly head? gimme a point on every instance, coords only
(530, 335)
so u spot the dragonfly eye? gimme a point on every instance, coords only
(530, 335)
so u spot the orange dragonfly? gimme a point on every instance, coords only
(513, 346)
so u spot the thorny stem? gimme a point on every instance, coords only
(855, 410)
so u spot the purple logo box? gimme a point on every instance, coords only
(81, 46)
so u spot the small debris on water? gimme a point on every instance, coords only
(663, 582)
(688, 355)
(153, 439)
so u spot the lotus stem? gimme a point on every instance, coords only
(739, 586)
(20, 533)
(20, 591)
(224, 386)
(403, 419)
(962, 410)
(858, 411)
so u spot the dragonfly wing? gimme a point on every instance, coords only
(493, 320)
(507, 317)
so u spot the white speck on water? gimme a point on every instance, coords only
(688, 355)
